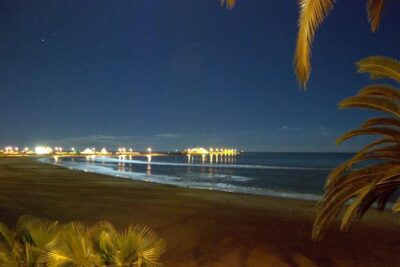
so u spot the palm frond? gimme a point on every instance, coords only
(73, 248)
(385, 121)
(138, 245)
(380, 90)
(351, 210)
(102, 235)
(7, 235)
(336, 175)
(382, 104)
(355, 190)
(39, 243)
(151, 246)
(380, 67)
(357, 186)
(366, 174)
(7, 256)
(385, 131)
(229, 3)
(374, 12)
(396, 206)
(37, 232)
(312, 13)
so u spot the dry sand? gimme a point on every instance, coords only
(201, 228)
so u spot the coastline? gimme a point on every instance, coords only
(166, 179)
(201, 227)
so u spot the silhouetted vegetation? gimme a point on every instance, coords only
(379, 175)
(37, 242)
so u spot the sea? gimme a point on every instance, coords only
(288, 175)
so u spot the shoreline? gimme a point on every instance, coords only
(201, 227)
(158, 179)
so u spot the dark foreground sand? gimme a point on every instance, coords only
(201, 228)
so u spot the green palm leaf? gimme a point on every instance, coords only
(42, 243)
(102, 234)
(138, 245)
(7, 236)
(73, 248)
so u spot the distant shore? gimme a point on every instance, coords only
(201, 228)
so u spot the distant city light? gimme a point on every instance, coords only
(43, 150)
(104, 151)
(88, 151)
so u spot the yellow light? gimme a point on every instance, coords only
(43, 150)
(88, 151)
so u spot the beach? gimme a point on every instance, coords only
(201, 227)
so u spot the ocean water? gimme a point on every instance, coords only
(290, 175)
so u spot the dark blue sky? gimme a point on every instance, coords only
(177, 73)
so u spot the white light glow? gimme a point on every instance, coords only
(43, 150)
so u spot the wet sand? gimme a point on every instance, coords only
(201, 228)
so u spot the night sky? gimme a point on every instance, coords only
(175, 73)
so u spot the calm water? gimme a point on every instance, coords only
(293, 175)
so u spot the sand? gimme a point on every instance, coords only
(201, 228)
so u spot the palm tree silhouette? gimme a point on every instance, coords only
(377, 172)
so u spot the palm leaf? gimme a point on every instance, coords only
(355, 184)
(366, 185)
(229, 3)
(74, 248)
(312, 13)
(7, 235)
(351, 211)
(7, 247)
(374, 12)
(361, 175)
(380, 90)
(151, 246)
(102, 235)
(364, 154)
(396, 206)
(382, 104)
(380, 67)
(385, 131)
(385, 121)
(7, 256)
(138, 245)
(37, 232)
(378, 180)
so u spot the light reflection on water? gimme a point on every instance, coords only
(256, 173)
